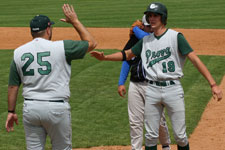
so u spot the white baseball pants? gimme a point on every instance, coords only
(47, 118)
(172, 97)
(136, 106)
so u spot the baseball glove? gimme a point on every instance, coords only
(136, 23)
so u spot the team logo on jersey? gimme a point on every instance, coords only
(153, 57)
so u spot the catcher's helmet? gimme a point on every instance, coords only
(157, 8)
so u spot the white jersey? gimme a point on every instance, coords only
(161, 57)
(45, 73)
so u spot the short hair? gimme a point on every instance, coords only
(38, 34)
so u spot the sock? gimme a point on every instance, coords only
(164, 146)
(183, 148)
(151, 148)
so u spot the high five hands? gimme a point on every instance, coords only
(69, 13)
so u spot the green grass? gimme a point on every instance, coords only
(99, 115)
(117, 13)
(197, 90)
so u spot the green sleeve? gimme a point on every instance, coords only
(75, 49)
(137, 48)
(14, 78)
(183, 45)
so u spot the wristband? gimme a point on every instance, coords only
(11, 111)
(124, 56)
(213, 85)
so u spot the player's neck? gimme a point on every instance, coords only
(160, 30)
(41, 37)
(45, 36)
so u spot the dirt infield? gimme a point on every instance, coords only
(210, 132)
(203, 41)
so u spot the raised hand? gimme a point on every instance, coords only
(69, 13)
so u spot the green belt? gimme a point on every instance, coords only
(161, 83)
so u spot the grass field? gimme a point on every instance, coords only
(99, 115)
(117, 13)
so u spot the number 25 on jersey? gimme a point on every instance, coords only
(42, 63)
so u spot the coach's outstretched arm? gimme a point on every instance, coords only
(119, 56)
(71, 17)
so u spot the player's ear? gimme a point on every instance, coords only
(48, 30)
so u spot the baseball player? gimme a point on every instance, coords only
(163, 55)
(43, 67)
(137, 90)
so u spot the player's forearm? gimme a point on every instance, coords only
(12, 97)
(119, 56)
(84, 34)
(202, 68)
(114, 57)
(124, 73)
(205, 72)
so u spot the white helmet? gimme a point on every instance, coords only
(144, 21)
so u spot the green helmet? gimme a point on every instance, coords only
(157, 8)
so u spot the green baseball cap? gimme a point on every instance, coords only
(40, 22)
